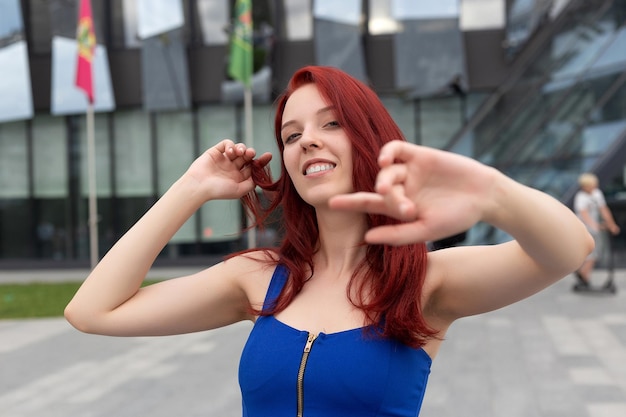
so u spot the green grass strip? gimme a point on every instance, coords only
(37, 300)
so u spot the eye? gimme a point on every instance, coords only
(333, 123)
(290, 138)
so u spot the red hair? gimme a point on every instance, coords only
(390, 279)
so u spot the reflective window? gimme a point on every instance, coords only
(158, 16)
(103, 159)
(381, 21)
(299, 20)
(403, 113)
(264, 141)
(49, 156)
(133, 154)
(482, 14)
(175, 152)
(214, 19)
(13, 160)
(15, 91)
(10, 20)
(410, 9)
(220, 219)
(345, 11)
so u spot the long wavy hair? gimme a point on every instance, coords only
(389, 279)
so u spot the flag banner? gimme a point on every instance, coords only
(165, 72)
(86, 38)
(240, 65)
(65, 96)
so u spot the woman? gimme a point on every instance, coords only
(350, 310)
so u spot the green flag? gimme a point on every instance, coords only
(240, 62)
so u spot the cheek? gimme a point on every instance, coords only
(290, 161)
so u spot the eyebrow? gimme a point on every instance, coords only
(320, 111)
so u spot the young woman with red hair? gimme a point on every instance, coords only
(350, 309)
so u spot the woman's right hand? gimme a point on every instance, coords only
(223, 171)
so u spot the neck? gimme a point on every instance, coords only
(341, 240)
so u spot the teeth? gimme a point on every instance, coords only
(318, 168)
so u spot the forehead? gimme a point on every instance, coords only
(304, 99)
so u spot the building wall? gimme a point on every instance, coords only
(140, 152)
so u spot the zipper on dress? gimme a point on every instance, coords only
(300, 381)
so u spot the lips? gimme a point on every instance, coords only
(316, 166)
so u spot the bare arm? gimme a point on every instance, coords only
(110, 300)
(438, 194)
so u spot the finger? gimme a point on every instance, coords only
(397, 234)
(393, 151)
(223, 145)
(389, 176)
(399, 203)
(265, 158)
(362, 202)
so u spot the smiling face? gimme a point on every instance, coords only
(317, 152)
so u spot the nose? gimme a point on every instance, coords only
(308, 141)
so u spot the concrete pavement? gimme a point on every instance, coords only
(556, 354)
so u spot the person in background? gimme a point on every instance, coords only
(350, 309)
(590, 206)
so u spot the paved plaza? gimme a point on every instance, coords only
(557, 354)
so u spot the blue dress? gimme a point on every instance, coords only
(286, 372)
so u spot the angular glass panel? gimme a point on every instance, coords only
(16, 100)
(298, 20)
(424, 9)
(214, 19)
(11, 25)
(381, 21)
(340, 45)
(429, 55)
(482, 14)
(158, 16)
(345, 11)
(165, 72)
(131, 35)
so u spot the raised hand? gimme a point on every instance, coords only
(435, 193)
(223, 171)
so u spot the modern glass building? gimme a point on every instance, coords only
(536, 88)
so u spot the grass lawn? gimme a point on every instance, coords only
(34, 300)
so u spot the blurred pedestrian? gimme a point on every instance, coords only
(590, 206)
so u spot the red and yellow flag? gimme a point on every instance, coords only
(86, 38)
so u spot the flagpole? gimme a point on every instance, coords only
(93, 202)
(249, 139)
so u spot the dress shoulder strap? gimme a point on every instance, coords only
(279, 278)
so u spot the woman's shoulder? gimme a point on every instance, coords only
(253, 269)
